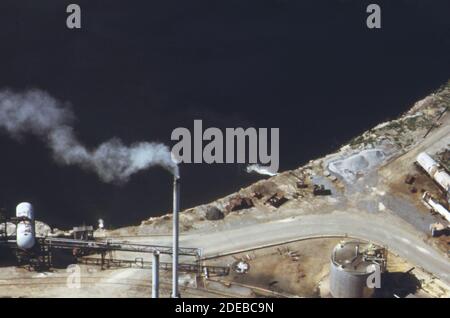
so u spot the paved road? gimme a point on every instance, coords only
(381, 228)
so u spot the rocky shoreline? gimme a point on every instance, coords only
(258, 202)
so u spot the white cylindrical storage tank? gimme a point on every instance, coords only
(25, 233)
(25, 210)
(436, 206)
(434, 170)
(427, 163)
(443, 178)
(350, 268)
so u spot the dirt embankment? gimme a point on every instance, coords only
(270, 198)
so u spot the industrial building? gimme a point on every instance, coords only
(32, 249)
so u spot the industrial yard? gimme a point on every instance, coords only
(381, 199)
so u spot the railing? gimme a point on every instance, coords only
(104, 246)
(140, 263)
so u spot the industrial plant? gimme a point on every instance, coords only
(241, 150)
(371, 220)
(37, 253)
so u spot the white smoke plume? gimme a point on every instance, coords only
(36, 112)
(260, 169)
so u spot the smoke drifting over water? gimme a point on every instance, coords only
(261, 170)
(36, 112)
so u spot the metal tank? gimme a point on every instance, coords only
(352, 263)
(25, 232)
(434, 170)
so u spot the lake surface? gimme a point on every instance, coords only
(138, 71)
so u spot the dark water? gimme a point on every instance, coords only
(139, 69)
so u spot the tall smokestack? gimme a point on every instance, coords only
(176, 209)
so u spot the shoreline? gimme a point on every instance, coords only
(395, 138)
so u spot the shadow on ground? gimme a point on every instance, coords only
(397, 284)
